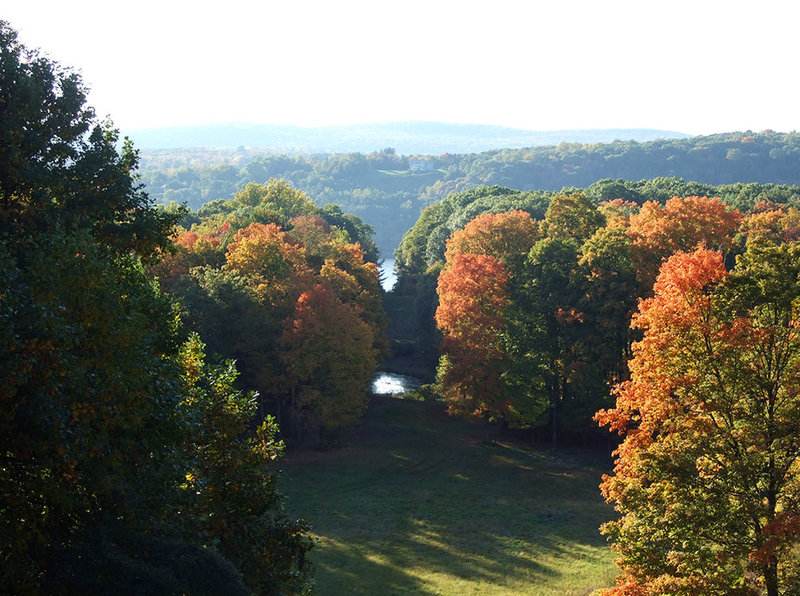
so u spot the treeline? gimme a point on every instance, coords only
(542, 285)
(674, 323)
(378, 187)
(129, 461)
(389, 191)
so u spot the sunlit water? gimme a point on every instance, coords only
(391, 384)
(387, 274)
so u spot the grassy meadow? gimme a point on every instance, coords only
(416, 502)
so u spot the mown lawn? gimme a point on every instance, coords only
(420, 503)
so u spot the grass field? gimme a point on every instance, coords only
(416, 502)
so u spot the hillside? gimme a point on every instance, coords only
(430, 138)
(420, 502)
(389, 189)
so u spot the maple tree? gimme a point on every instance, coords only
(329, 357)
(472, 299)
(505, 236)
(706, 479)
(658, 231)
(481, 373)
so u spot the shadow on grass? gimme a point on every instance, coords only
(418, 504)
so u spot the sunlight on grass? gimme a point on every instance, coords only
(417, 503)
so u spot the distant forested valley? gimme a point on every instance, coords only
(389, 190)
(165, 364)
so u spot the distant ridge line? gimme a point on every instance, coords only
(406, 137)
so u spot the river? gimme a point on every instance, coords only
(386, 383)
(386, 271)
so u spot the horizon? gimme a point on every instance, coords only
(534, 67)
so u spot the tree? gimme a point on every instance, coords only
(243, 307)
(274, 264)
(572, 216)
(550, 320)
(231, 501)
(659, 231)
(706, 480)
(59, 167)
(329, 357)
(505, 236)
(83, 440)
(472, 299)
(96, 417)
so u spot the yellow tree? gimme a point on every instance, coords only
(707, 480)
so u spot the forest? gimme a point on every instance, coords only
(389, 190)
(671, 321)
(162, 357)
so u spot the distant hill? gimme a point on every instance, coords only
(389, 189)
(430, 138)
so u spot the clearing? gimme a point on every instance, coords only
(417, 502)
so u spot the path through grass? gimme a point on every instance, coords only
(419, 503)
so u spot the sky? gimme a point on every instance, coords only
(697, 66)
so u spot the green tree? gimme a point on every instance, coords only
(572, 216)
(706, 480)
(59, 168)
(230, 498)
(97, 419)
(550, 319)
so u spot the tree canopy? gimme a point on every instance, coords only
(121, 450)
(706, 479)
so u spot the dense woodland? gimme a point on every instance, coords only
(673, 322)
(130, 462)
(388, 190)
(155, 359)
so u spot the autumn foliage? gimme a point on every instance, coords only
(291, 297)
(658, 231)
(473, 295)
(707, 399)
(706, 479)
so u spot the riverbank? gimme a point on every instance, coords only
(418, 366)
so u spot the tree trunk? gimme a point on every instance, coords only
(771, 576)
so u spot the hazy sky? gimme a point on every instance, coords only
(696, 66)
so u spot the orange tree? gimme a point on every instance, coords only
(658, 231)
(472, 299)
(706, 479)
(481, 372)
(329, 359)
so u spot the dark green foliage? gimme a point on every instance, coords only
(104, 424)
(59, 168)
(116, 560)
